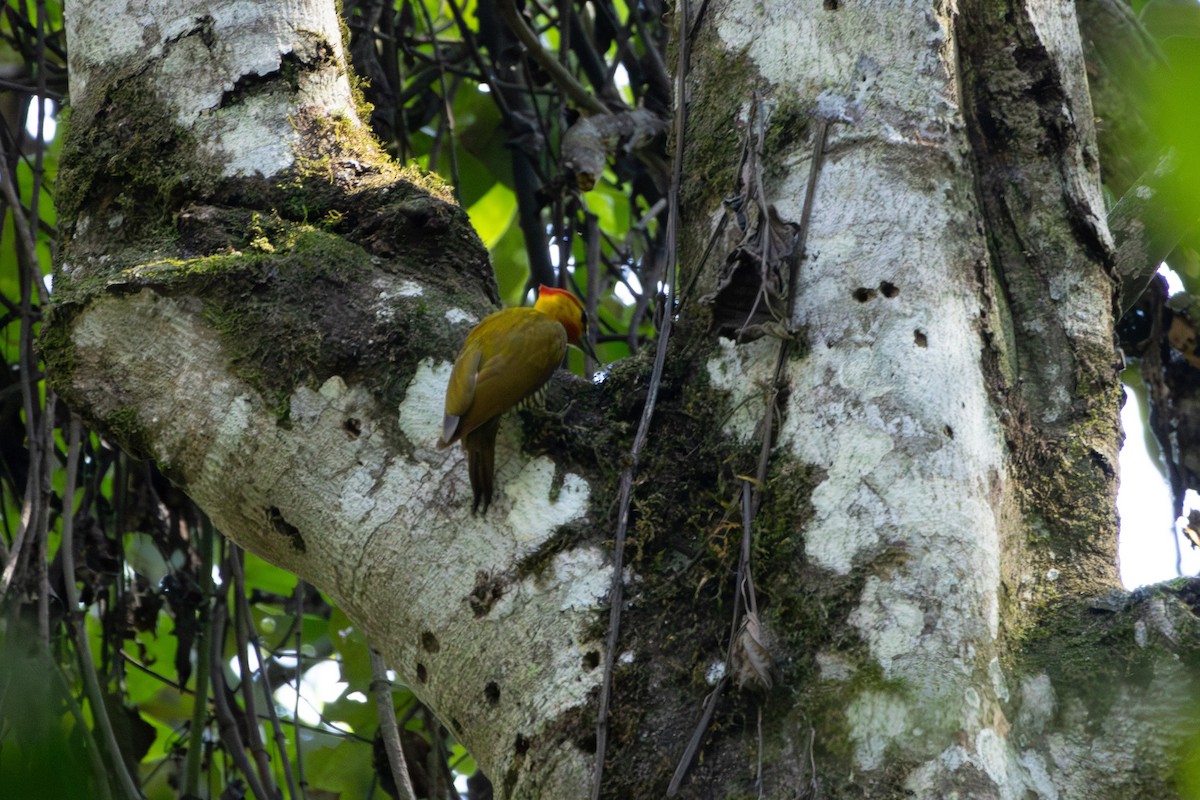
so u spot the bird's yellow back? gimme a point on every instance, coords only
(506, 358)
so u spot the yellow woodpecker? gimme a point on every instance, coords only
(506, 358)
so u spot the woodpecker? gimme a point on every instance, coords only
(505, 359)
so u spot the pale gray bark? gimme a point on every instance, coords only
(956, 409)
(958, 309)
(351, 495)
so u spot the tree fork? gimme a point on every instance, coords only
(251, 298)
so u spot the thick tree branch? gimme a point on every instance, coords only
(302, 309)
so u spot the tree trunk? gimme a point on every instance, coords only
(249, 293)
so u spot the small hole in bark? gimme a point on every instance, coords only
(591, 660)
(353, 427)
(430, 642)
(586, 743)
(488, 589)
(831, 5)
(862, 294)
(492, 693)
(454, 723)
(948, 431)
(889, 289)
(521, 746)
(422, 673)
(920, 338)
(287, 529)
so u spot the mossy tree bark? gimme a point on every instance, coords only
(250, 294)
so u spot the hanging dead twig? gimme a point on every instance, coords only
(746, 652)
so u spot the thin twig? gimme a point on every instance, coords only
(758, 771)
(592, 296)
(814, 168)
(298, 609)
(488, 75)
(447, 105)
(326, 725)
(718, 231)
(38, 171)
(298, 603)
(710, 705)
(42, 529)
(564, 32)
(241, 614)
(227, 726)
(381, 688)
(200, 701)
(660, 356)
(42, 557)
(813, 788)
(239, 574)
(26, 236)
(436, 771)
(557, 72)
(33, 506)
(82, 646)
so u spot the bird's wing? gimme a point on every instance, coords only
(460, 393)
(514, 366)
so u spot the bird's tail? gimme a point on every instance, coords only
(480, 445)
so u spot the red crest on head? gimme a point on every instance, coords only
(573, 323)
(543, 289)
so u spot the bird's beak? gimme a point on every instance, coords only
(586, 346)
